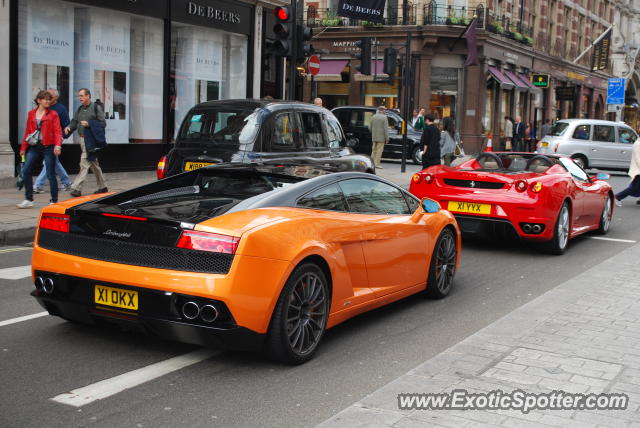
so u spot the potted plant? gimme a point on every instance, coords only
(499, 28)
(517, 36)
(528, 40)
(331, 20)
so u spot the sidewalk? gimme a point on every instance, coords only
(582, 337)
(18, 225)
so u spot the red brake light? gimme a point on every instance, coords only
(428, 178)
(205, 241)
(59, 222)
(521, 185)
(161, 170)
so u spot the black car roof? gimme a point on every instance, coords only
(251, 104)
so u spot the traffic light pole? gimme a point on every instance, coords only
(293, 61)
(406, 84)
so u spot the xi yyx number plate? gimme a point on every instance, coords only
(116, 297)
(190, 166)
(469, 207)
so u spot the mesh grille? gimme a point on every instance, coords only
(476, 184)
(132, 253)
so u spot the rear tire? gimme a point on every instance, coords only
(581, 161)
(605, 217)
(416, 155)
(443, 266)
(300, 317)
(561, 230)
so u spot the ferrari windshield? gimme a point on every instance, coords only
(226, 126)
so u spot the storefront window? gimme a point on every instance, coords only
(488, 111)
(206, 64)
(381, 94)
(117, 56)
(444, 91)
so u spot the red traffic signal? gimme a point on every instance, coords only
(282, 13)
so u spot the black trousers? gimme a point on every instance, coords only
(427, 162)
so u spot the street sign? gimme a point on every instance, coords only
(614, 108)
(313, 65)
(615, 91)
(565, 93)
(540, 80)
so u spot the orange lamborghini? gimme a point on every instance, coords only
(248, 258)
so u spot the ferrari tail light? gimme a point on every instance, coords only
(428, 178)
(205, 241)
(58, 222)
(416, 178)
(536, 187)
(161, 169)
(521, 185)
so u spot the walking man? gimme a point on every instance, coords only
(63, 115)
(379, 128)
(430, 142)
(546, 128)
(87, 112)
(518, 135)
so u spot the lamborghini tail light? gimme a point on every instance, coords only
(161, 169)
(521, 185)
(58, 222)
(205, 241)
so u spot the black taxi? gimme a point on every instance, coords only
(261, 132)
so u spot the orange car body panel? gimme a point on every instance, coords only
(373, 260)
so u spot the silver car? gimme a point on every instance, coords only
(591, 143)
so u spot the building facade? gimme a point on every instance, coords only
(146, 62)
(516, 41)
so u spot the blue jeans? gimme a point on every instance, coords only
(632, 190)
(60, 172)
(33, 156)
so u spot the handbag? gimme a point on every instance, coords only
(458, 151)
(35, 137)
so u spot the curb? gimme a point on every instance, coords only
(18, 235)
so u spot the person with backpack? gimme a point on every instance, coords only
(88, 120)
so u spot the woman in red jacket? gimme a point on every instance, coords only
(49, 145)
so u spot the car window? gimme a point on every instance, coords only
(327, 198)
(312, 136)
(582, 132)
(604, 133)
(392, 121)
(574, 169)
(558, 128)
(220, 126)
(356, 118)
(367, 118)
(626, 135)
(373, 197)
(283, 137)
(334, 133)
(412, 201)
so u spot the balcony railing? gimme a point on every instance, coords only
(438, 14)
(509, 27)
(329, 18)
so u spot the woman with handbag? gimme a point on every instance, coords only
(449, 146)
(42, 138)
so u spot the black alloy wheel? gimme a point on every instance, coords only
(443, 266)
(300, 317)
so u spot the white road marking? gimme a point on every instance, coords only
(108, 387)
(602, 238)
(24, 318)
(13, 250)
(15, 272)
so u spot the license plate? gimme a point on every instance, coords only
(190, 166)
(469, 207)
(116, 297)
(545, 144)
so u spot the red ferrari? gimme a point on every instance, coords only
(542, 198)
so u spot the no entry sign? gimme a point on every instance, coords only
(314, 64)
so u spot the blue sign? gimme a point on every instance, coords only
(615, 91)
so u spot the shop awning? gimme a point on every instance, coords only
(330, 70)
(520, 85)
(377, 65)
(527, 81)
(503, 80)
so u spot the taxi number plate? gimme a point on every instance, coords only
(116, 297)
(469, 207)
(190, 166)
(545, 144)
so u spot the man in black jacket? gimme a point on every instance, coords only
(518, 135)
(430, 142)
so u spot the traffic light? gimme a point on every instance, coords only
(305, 34)
(283, 46)
(390, 64)
(364, 56)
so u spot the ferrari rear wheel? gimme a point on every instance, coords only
(607, 214)
(558, 244)
(443, 266)
(300, 316)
